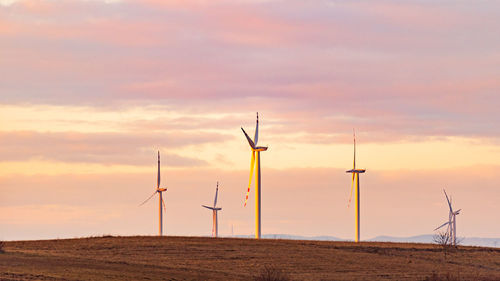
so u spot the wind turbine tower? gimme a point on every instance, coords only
(158, 190)
(355, 178)
(255, 163)
(215, 225)
(452, 222)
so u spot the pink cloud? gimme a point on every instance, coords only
(375, 65)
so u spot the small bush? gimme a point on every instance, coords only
(270, 273)
(442, 277)
(456, 277)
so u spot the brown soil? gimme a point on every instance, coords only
(197, 258)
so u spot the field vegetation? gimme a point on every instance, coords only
(199, 258)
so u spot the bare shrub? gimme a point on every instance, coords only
(443, 240)
(270, 273)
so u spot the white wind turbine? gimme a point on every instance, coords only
(215, 224)
(161, 202)
(451, 231)
(255, 162)
(355, 178)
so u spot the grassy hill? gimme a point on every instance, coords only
(197, 258)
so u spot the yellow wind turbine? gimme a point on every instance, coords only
(355, 178)
(255, 163)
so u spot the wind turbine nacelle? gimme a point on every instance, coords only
(212, 208)
(161, 189)
(359, 171)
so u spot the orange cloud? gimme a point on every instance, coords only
(105, 148)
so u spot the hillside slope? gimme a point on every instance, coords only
(196, 258)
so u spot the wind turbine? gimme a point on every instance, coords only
(255, 162)
(158, 190)
(355, 178)
(215, 226)
(452, 222)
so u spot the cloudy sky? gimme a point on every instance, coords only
(90, 90)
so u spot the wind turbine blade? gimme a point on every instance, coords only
(353, 168)
(352, 187)
(158, 178)
(252, 164)
(250, 141)
(163, 203)
(211, 208)
(256, 137)
(449, 203)
(354, 161)
(148, 199)
(441, 225)
(216, 191)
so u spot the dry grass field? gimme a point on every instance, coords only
(196, 258)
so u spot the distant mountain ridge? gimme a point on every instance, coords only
(292, 237)
(425, 238)
(428, 238)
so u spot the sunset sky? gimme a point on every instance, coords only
(91, 89)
